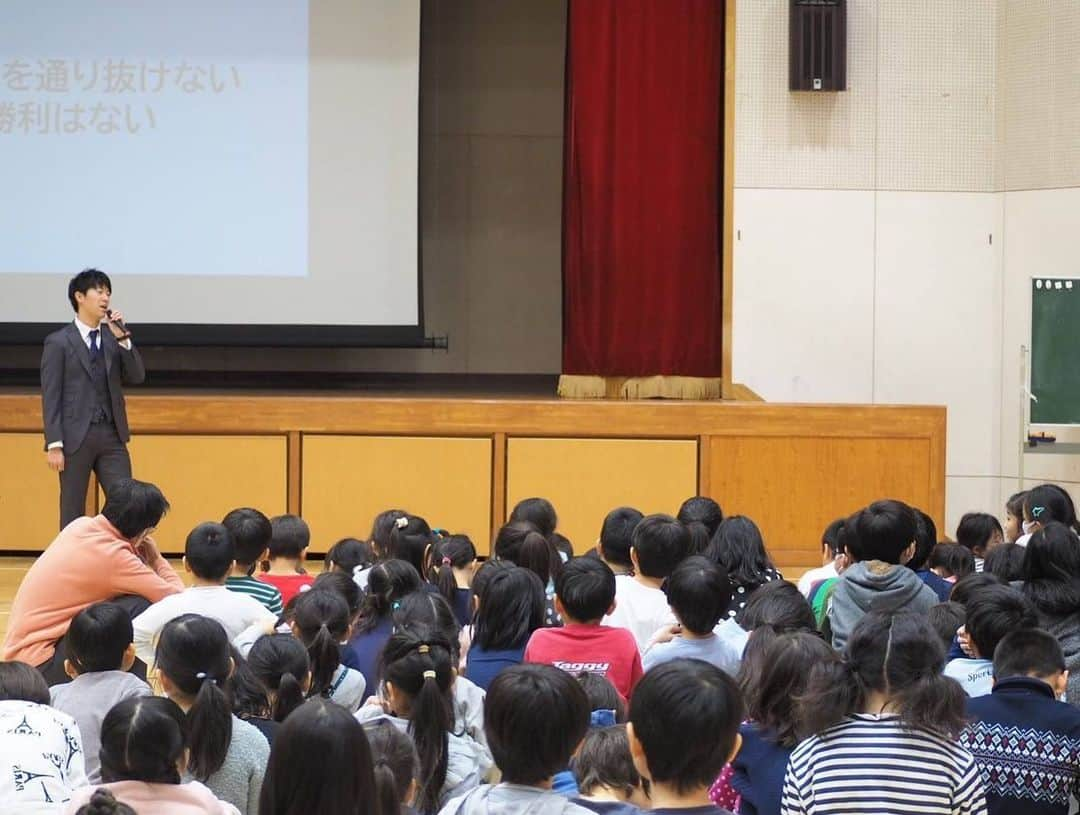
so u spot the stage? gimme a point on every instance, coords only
(462, 461)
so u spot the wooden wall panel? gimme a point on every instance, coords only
(347, 480)
(793, 487)
(586, 478)
(29, 494)
(204, 477)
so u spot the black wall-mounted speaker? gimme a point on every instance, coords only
(818, 51)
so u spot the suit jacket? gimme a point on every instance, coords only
(67, 391)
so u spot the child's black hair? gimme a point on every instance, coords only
(103, 802)
(740, 549)
(925, 539)
(1049, 502)
(350, 554)
(537, 511)
(320, 763)
(976, 531)
(883, 531)
(321, 622)
(143, 739)
(1006, 561)
(604, 760)
(447, 554)
(289, 537)
(388, 582)
(535, 716)
(586, 589)
(511, 608)
(98, 637)
(431, 610)
(771, 700)
(945, 619)
(524, 545)
(701, 516)
(193, 652)
(616, 534)
(1028, 652)
(659, 542)
(699, 592)
(1052, 569)
(896, 654)
(344, 586)
(280, 663)
(686, 714)
(410, 539)
(970, 585)
(833, 536)
(602, 694)
(418, 662)
(395, 763)
(380, 531)
(953, 559)
(780, 606)
(209, 551)
(994, 612)
(1015, 505)
(19, 681)
(251, 532)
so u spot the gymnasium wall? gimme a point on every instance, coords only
(865, 270)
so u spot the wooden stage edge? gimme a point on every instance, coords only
(462, 463)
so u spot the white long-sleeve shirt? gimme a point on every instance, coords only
(243, 618)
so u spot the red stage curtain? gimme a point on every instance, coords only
(642, 190)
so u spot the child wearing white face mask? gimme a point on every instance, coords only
(1043, 504)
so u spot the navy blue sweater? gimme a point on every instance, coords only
(759, 771)
(1027, 747)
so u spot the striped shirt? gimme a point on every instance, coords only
(266, 594)
(873, 765)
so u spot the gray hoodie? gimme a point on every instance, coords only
(872, 585)
(512, 799)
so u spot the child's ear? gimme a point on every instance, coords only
(264, 555)
(637, 752)
(634, 560)
(1060, 683)
(611, 608)
(186, 567)
(69, 666)
(560, 609)
(128, 659)
(232, 667)
(908, 553)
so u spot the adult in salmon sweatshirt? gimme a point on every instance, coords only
(106, 557)
(879, 538)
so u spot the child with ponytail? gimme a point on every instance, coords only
(453, 561)
(271, 683)
(321, 621)
(882, 727)
(226, 754)
(142, 759)
(418, 675)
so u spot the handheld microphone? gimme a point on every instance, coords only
(119, 324)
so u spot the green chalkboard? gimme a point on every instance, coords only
(1055, 350)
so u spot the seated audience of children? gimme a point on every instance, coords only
(407, 618)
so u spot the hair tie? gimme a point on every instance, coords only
(423, 649)
(402, 522)
(447, 562)
(202, 677)
(429, 675)
(395, 605)
(1037, 511)
(602, 718)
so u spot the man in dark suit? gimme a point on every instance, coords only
(83, 368)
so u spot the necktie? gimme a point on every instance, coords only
(95, 349)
